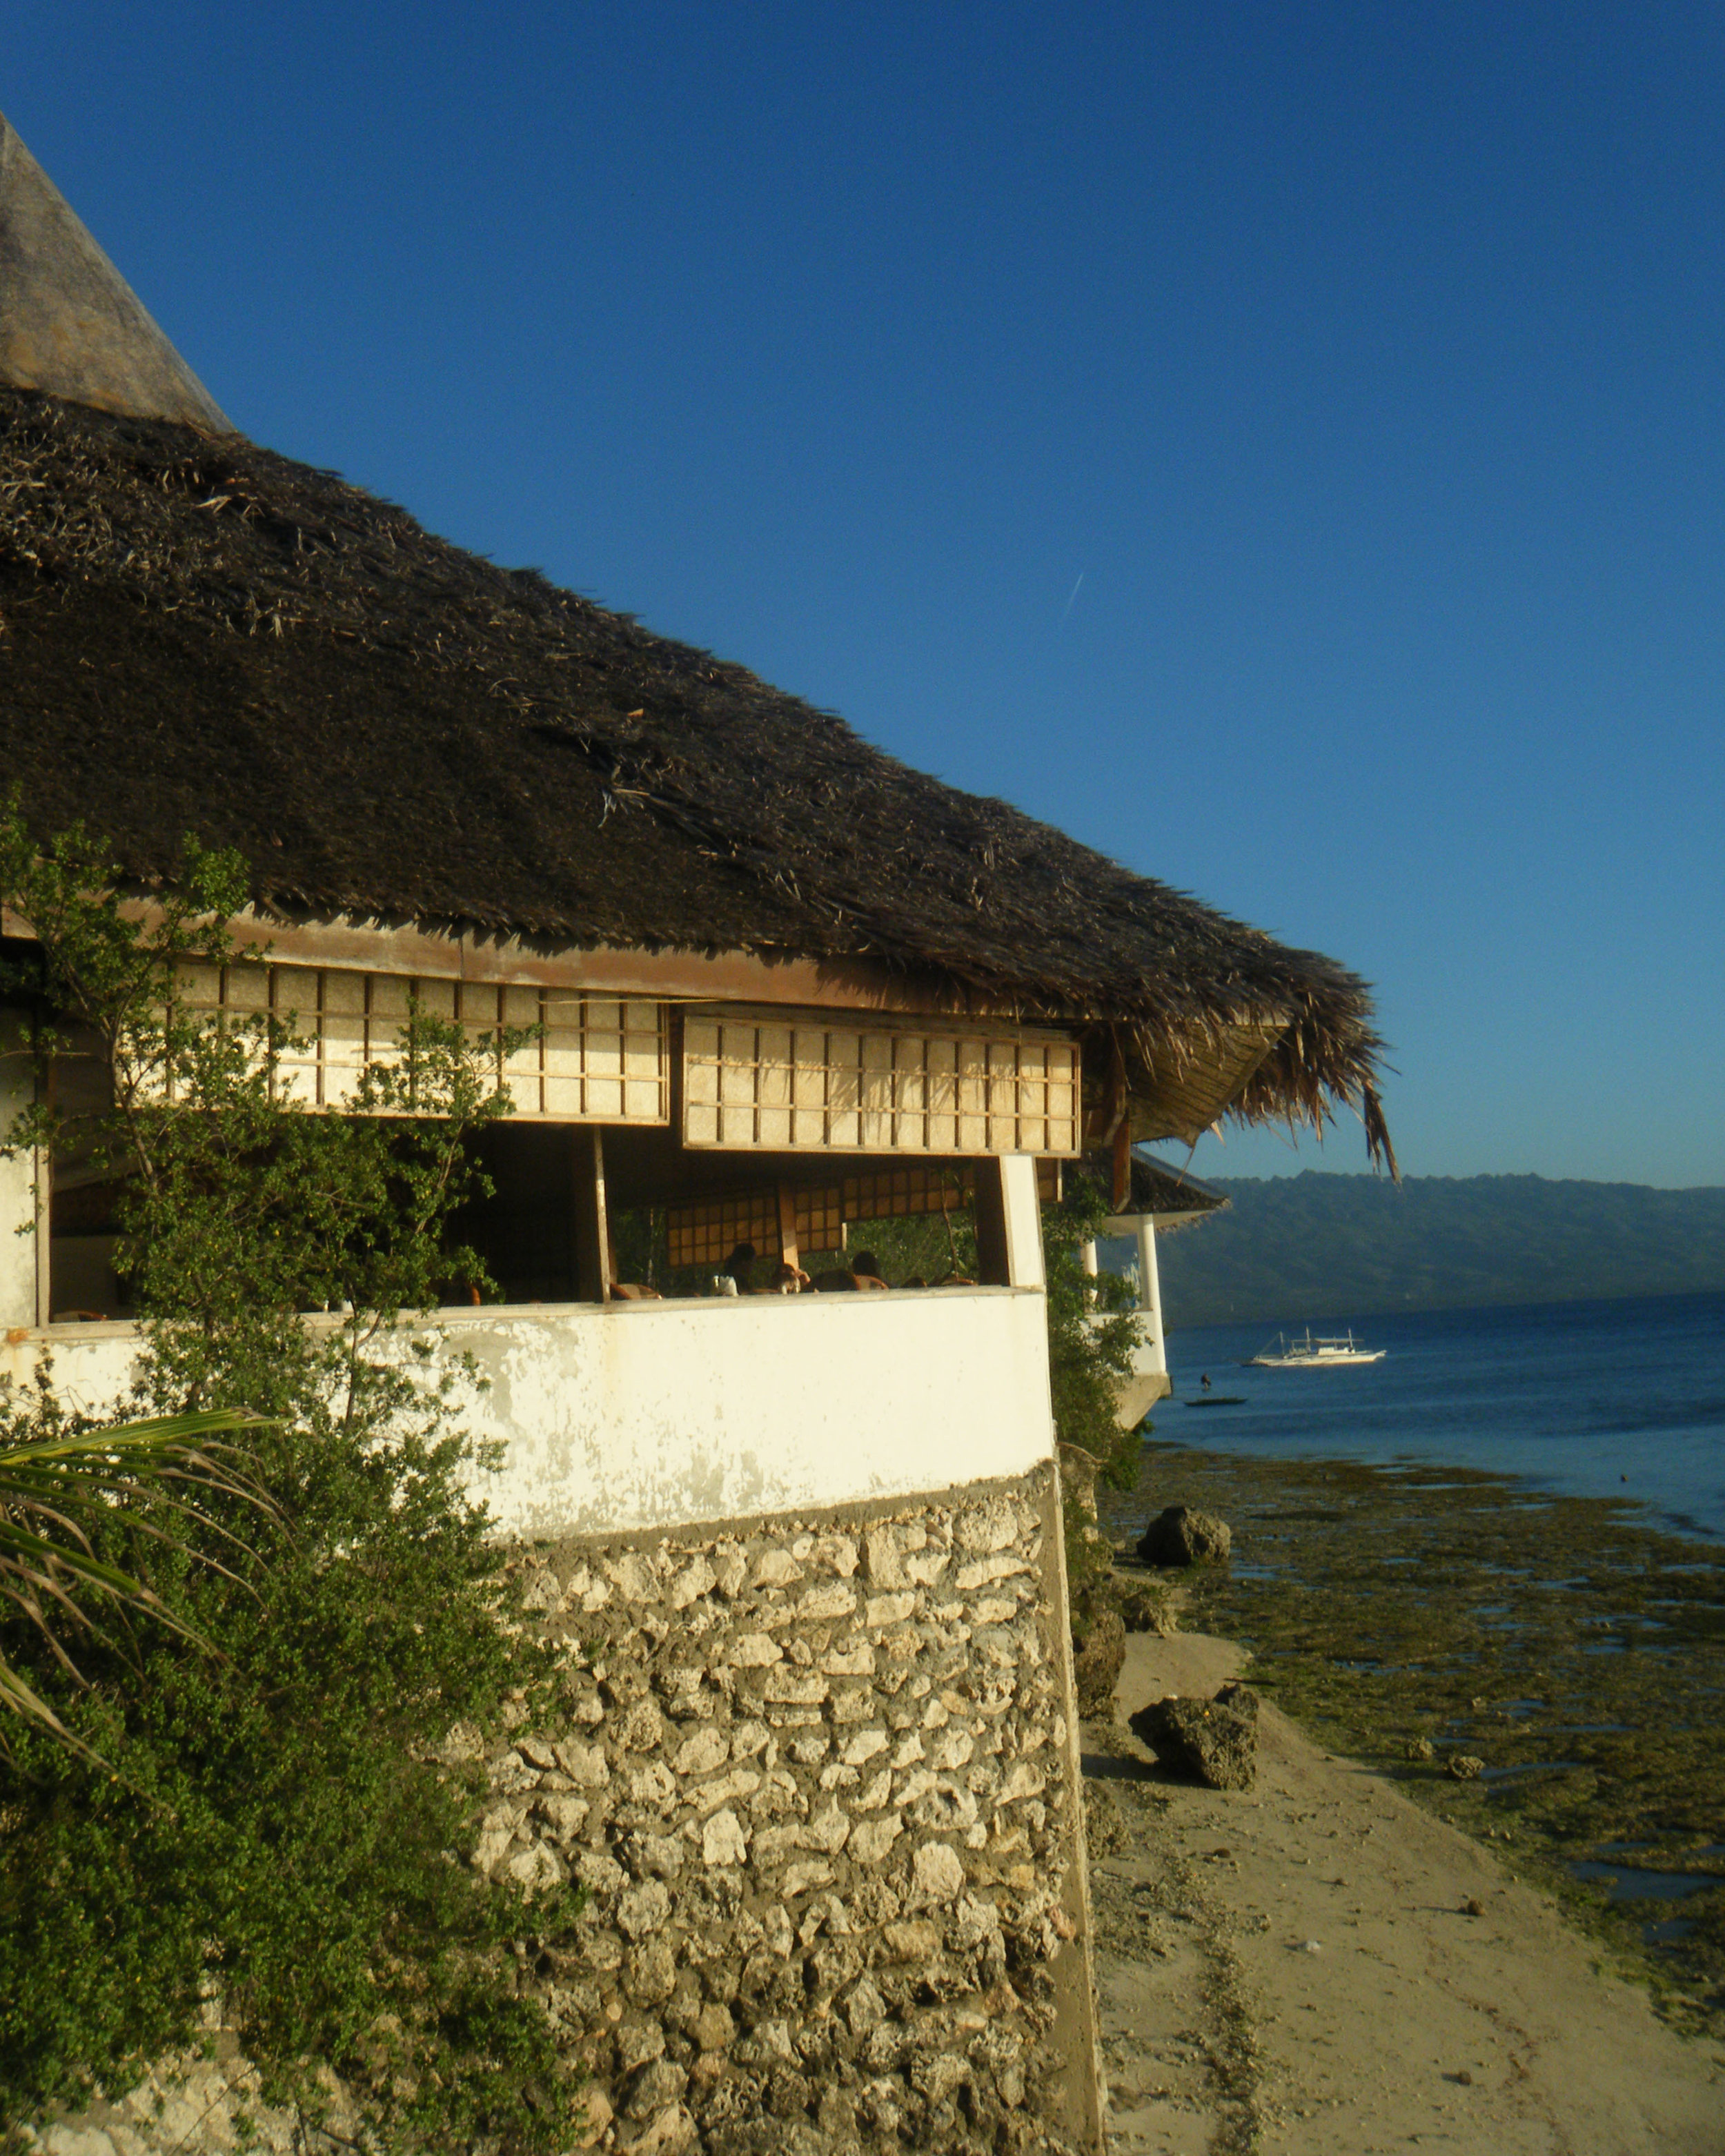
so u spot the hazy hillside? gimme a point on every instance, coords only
(1317, 1245)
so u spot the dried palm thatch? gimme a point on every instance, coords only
(201, 635)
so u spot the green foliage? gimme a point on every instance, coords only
(1092, 1334)
(924, 1246)
(58, 1489)
(284, 1829)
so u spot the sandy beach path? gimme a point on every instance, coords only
(1293, 1970)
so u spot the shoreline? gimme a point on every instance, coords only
(1318, 1967)
(1565, 1645)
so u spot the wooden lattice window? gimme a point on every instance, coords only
(820, 1220)
(595, 1059)
(706, 1231)
(920, 1187)
(757, 1081)
(899, 1193)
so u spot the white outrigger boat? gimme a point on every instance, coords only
(1308, 1353)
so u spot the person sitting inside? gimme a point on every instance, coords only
(737, 1269)
(789, 1279)
(862, 1275)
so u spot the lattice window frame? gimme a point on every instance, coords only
(596, 1059)
(756, 1080)
(705, 1231)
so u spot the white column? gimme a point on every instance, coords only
(1150, 1296)
(20, 1255)
(1023, 1204)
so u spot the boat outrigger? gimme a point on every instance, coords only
(1308, 1354)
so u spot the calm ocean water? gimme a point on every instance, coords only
(1603, 1399)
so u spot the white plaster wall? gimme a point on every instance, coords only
(646, 1416)
(665, 1414)
(92, 1363)
(1149, 1381)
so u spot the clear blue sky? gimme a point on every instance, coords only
(1364, 362)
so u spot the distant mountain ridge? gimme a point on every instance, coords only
(1314, 1245)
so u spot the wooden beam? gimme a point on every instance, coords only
(423, 952)
(592, 1230)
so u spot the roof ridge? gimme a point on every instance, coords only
(69, 323)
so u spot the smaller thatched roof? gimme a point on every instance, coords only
(69, 323)
(1158, 1192)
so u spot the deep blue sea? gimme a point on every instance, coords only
(1601, 1400)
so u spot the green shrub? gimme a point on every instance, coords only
(278, 1829)
(1091, 1334)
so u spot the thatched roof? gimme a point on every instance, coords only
(69, 323)
(1158, 1191)
(201, 635)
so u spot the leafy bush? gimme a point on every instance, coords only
(279, 1829)
(1091, 1334)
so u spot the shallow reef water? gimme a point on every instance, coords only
(1574, 1648)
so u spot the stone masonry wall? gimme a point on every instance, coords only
(818, 1777)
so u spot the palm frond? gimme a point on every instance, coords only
(57, 1491)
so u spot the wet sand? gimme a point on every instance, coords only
(1293, 1970)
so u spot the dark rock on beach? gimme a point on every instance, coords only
(1180, 1536)
(1212, 1741)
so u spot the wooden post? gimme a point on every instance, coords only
(592, 1234)
(787, 1227)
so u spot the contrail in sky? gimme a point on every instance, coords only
(1069, 601)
